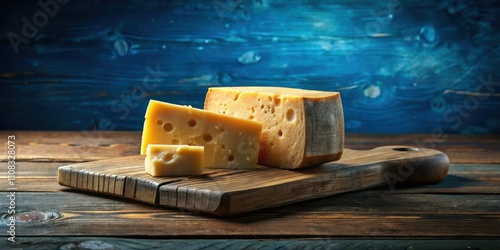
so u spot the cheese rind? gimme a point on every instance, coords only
(229, 142)
(174, 160)
(300, 128)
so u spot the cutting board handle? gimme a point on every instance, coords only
(405, 164)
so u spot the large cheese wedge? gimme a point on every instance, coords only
(229, 142)
(300, 128)
(174, 160)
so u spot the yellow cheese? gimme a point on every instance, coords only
(229, 142)
(174, 160)
(300, 128)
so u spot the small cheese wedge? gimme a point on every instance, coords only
(229, 142)
(300, 128)
(174, 160)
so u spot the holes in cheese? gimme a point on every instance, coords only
(174, 160)
(191, 123)
(300, 128)
(168, 127)
(229, 142)
(207, 137)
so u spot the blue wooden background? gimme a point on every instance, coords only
(401, 66)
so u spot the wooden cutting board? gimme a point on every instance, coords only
(224, 192)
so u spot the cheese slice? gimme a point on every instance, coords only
(174, 160)
(300, 128)
(229, 142)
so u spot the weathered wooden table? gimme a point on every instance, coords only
(461, 212)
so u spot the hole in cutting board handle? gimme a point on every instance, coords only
(406, 149)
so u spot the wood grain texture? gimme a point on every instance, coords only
(462, 178)
(462, 206)
(226, 192)
(37, 243)
(354, 214)
(75, 146)
(78, 146)
(436, 61)
(460, 149)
